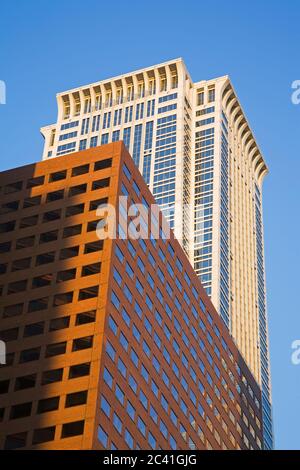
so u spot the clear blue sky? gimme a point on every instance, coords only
(50, 46)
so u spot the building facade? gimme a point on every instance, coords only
(110, 343)
(196, 151)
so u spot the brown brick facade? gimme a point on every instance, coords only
(114, 343)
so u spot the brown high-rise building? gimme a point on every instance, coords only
(110, 343)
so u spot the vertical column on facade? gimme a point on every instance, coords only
(233, 196)
(180, 132)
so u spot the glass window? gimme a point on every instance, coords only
(117, 423)
(34, 329)
(143, 399)
(132, 383)
(43, 435)
(108, 378)
(130, 410)
(120, 395)
(124, 341)
(51, 376)
(80, 370)
(82, 343)
(20, 411)
(102, 437)
(48, 404)
(134, 357)
(110, 350)
(126, 317)
(85, 317)
(163, 429)
(128, 439)
(112, 325)
(153, 414)
(136, 333)
(121, 367)
(29, 355)
(15, 441)
(141, 426)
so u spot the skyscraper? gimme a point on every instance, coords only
(110, 343)
(196, 151)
